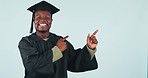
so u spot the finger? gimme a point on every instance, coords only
(88, 37)
(94, 33)
(95, 41)
(64, 38)
(60, 39)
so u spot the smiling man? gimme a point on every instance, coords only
(47, 55)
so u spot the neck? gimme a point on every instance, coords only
(42, 35)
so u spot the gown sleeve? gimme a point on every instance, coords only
(35, 63)
(80, 60)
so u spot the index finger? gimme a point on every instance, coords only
(64, 38)
(95, 33)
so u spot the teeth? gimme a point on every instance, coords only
(43, 24)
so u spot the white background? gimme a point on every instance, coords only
(123, 34)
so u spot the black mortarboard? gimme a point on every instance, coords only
(43, 5)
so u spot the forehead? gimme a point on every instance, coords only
(41, 12)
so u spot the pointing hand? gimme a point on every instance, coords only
(61, 44)
(92, 41)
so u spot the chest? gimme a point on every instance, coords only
(43, 46)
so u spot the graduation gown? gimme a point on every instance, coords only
(37, 58)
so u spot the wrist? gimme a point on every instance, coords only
(90, 47)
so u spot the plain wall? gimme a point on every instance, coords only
(123, 34)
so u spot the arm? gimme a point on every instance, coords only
(91, 52)
(79, 60)
(84, 59)
(57, 54)
(34, 62)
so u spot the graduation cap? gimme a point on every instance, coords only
(43, 5)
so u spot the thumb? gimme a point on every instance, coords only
(64, 38)
(88, 37)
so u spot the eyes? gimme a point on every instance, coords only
(42, 17)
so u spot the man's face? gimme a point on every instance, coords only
(42, 21)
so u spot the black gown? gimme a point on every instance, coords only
(37, 58)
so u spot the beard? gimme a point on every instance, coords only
(42, 31)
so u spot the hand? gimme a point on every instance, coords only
(61, 44)
(92, 41)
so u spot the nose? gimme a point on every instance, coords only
(42, 20)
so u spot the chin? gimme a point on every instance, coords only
(42, 31)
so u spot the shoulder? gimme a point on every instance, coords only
(26, 39)
(55, 35)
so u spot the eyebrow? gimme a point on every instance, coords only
(39, 14)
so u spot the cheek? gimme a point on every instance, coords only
(49, 22)
(36, 23)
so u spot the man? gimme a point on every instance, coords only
(46, 55)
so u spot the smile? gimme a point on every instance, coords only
(43, 25)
